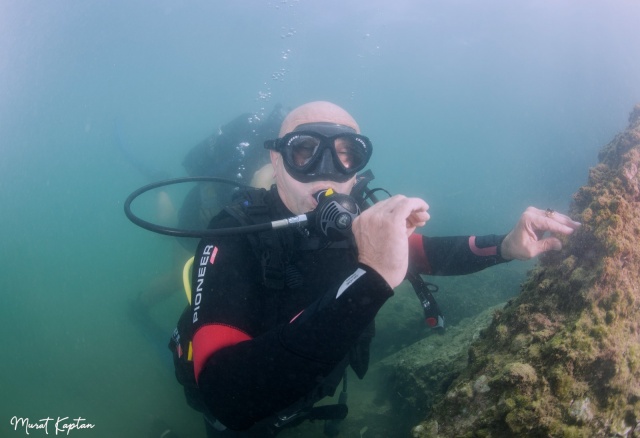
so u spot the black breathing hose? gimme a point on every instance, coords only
(177, 232)
(333, 216)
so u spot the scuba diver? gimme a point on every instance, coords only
(234, 152)
(276, 316)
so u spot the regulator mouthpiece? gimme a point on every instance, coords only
(335, 214)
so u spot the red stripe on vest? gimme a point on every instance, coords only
(211, 338)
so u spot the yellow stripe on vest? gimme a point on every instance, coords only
(186, 279)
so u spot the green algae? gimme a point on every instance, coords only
(563, 358)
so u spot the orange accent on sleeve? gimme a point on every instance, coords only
(211, 338)
(417, 256)
(481, 252)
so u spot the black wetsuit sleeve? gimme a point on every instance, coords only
(459, 255)
(254, 379)
(249, 366)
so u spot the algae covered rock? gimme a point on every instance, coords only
(563, 358)
(418, 376)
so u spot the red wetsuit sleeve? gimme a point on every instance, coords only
(418, 256)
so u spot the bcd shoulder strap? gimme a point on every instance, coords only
(269, 247)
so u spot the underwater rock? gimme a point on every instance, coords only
(563, 358)
(417, 376)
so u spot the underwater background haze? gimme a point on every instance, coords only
(480, 108)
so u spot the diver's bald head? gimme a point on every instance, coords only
(314, 112)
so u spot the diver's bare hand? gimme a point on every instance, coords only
(526, 239)
(382, 232)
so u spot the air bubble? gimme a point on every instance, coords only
(264, 95)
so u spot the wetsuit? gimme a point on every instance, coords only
(259, 350)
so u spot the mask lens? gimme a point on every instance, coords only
(301, 149)
(351, 151)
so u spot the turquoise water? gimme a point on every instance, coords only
(482, 108)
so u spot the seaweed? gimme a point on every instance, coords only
(562, 359)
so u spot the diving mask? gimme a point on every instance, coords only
(323, 152)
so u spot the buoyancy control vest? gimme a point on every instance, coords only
(273, 248)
